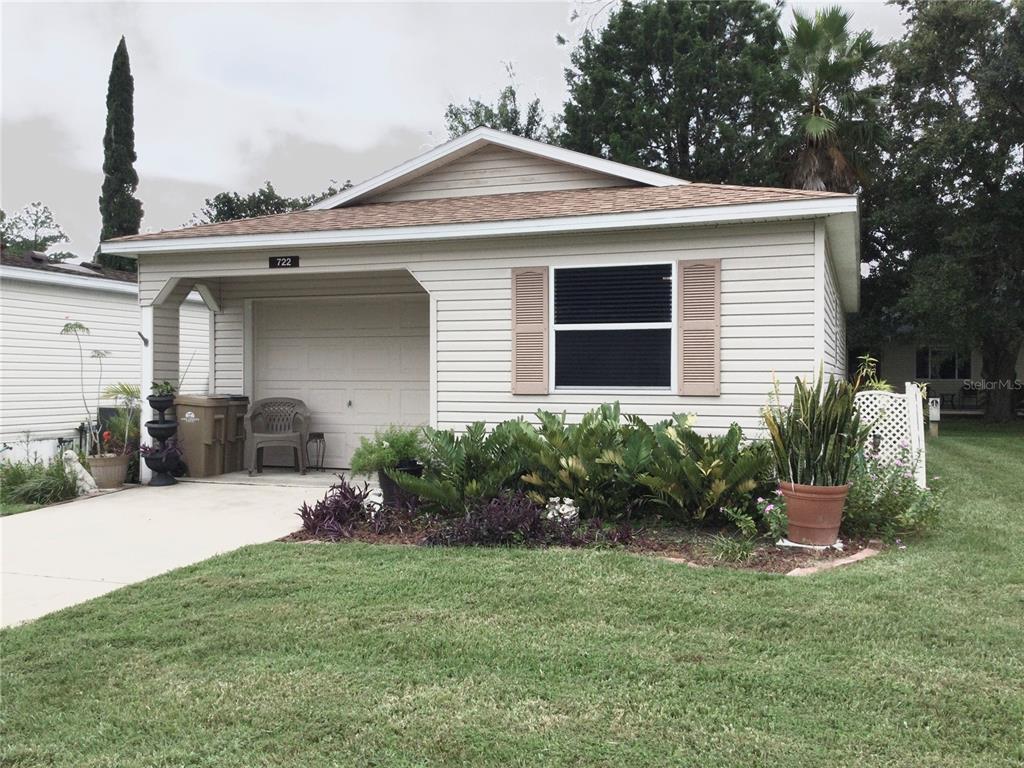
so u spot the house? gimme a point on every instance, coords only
(494, 275)
(40, 389)
(951, 374)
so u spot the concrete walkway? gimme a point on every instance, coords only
(68, 553)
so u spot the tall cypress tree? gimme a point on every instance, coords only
(119, 208)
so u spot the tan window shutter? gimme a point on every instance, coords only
(699, 321)
(530, 331)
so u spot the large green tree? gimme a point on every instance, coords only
(694, 89)
(951, 220)
(227, 206)
(837, 121)
(120, 210)
(506, 114)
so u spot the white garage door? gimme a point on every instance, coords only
(360, 364)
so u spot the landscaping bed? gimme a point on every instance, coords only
(704, 549)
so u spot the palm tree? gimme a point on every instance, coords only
(837, 118)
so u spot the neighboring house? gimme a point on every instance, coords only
(40, 388)
(495, 275)
(951, 374)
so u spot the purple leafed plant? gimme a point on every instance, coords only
(338, 513)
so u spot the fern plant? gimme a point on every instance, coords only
(692, 474)
(461, 471)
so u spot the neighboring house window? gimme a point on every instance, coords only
(613, 326)
(943, 363)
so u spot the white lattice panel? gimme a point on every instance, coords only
(899, 425)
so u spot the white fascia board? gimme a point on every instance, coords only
(721, 214)
(68, 281)
(844, 238)
(480, 137)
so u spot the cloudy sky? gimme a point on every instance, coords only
(228, 95)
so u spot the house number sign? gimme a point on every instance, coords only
(284, 262)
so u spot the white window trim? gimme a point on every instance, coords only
(672, 325)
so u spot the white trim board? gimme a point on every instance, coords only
(476, 139)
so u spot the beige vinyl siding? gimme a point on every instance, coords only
(835, 326)
(493, 170)
(767, 312)
(40, 391)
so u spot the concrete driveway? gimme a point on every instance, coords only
(66, 554)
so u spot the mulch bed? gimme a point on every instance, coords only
(685, 546)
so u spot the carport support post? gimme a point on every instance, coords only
(160, 354)
(145, 412)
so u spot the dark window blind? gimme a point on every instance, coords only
(634, 294)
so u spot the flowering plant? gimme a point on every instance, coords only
(772, 513)
(561, 510)
(885, 499)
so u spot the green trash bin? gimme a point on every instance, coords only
(202, 432)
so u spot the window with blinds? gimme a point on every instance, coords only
(613, 326)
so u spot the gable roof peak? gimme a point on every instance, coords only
(477, 138)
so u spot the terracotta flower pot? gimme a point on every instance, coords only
(814, 512)
(109, 471)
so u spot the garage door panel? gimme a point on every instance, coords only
(359, 364)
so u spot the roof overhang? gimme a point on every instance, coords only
(841, 215)
(29, 275)
(481, 137)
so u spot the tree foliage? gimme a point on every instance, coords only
(504, 115)
(952, 215)
(837, 119)
(32, 229)
(696, 90)
(265, 201)
(120, 210)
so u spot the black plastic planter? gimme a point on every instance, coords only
(390, 490)
(160, 403)
(162, 430)
(161, 466)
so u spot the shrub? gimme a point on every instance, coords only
(885, 500)
(338, 513)
(692, 475)
(36, 482)
(393, 446)
(514, 519)
(816, 440)
(597, 462)
(462, 471)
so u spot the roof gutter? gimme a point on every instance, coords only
(720, 214)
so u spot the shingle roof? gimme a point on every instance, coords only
(485, 208)
(40, 262)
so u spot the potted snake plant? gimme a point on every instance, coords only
(815, 442)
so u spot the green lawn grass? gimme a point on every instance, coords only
(359, 655)
(8, 508)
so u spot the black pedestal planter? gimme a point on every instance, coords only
(390, 490)
(161, 465)
(163, 460)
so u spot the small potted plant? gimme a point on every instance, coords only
(816, 441)
(164, 461)
(162, 396)
(116, 444)
(396, 448)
